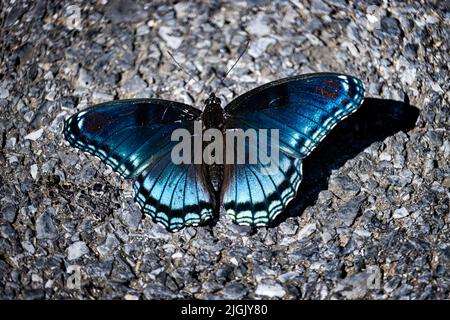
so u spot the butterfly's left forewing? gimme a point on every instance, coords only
(304, 109)
(134, 138)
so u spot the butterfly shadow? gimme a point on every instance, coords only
(375, 120)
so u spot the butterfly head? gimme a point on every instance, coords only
(212, 100)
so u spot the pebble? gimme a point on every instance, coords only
(100, 97)
(107, 248)
(135, 85)
(158, 291)
(350, 210)
(172, 41)
(142, 30)
(270, 288)
(34, 171)
(306, 231)
(131, 218)
(344, 187)
(85, 79)
(77, 250)
(409, 75)
(258, 47)
(400, 213)
(119, 11)
(259, 26)
(9, 213)
(35, 135)
(385, 156)
(353, 286)
(320, 7)
(28, 246)
(391, 26)
(45, 227)
(4, 93)
(73, 17)
(234, 291)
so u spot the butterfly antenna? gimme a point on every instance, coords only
(191, 76)
(239, 58)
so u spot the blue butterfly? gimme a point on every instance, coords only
(133, 137)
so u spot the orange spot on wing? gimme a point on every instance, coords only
(332, 83)
(327, 93)
(95, 122)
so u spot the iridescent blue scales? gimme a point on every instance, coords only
(133, 137)
(304, 109)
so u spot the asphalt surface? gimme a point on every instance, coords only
(371, 220)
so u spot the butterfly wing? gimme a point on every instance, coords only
(174, 195)
(253, 195)
(133, 137)
(304, 109)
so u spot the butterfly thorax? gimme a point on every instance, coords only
(213, 118)
(212, 115)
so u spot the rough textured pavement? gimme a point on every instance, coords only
(372, 217)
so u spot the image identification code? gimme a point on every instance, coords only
(231, 310)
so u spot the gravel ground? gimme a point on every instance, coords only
(372, 217)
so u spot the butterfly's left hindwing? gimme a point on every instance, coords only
(304, 109)
(134, 138)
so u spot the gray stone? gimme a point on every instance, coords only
(158, 291)
(124, 11)
(258, 47)
(306, 231)
(45, 227)
(172, 41)
(353, 286)
(270, 288)
(134, 85)
(84, 78)
(9, 213)
(234, 291)
(400, 213)
(349, 212)
(259, 26)
(131, 218)
(391, 26)
(410, 50)
(107, 248)
(344, 187)
(7, 231)
(28, 246)
(4, 93)
(320, 7)
(77, 250)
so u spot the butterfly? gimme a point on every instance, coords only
(134, 138)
